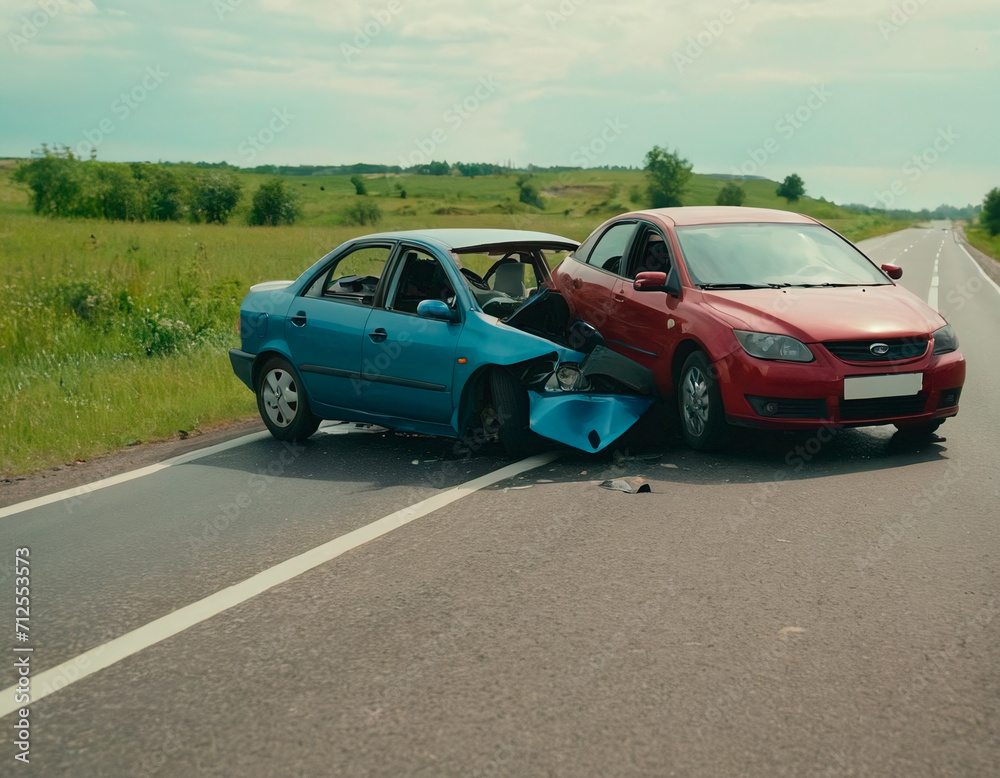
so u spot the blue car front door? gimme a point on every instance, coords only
(325, 326)
(408, 361)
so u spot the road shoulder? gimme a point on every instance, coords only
(17, 489)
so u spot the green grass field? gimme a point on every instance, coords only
(115, 333)
(982, 240)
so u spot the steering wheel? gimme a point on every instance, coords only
(506, 259)
(475, 279)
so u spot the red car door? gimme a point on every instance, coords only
(591, 279)
(648, 324)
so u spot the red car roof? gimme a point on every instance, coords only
(724, 214)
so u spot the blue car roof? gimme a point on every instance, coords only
(467, 240)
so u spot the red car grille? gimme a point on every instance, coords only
(899, 349)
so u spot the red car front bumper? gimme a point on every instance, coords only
(794, 395)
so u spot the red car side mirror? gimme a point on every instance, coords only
(895, 272)
(650, 281)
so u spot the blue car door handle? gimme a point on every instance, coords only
(299, 319)
(378, 335)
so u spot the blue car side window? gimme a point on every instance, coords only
(353, 277)
(421, 277)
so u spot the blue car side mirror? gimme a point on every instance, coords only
(436, 309)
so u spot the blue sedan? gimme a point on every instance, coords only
(399, 330)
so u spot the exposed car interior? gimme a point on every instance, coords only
(422, 278)
(653, 256)
(508, 281)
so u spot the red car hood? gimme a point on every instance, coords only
(815, 315)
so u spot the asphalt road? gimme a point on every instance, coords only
(792, 607)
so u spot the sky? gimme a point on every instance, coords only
(891, 103)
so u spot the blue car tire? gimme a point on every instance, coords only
(510, 401)
(282, 402)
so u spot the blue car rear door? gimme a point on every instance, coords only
(408, 361)
(325, 325)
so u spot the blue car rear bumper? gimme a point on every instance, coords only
(242, 363)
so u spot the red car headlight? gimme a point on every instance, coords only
(763, 345)
(945, 340)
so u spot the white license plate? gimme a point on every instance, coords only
(871, 386)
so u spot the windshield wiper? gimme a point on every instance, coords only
(737, 286)
(829, 284)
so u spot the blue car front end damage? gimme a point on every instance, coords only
(590, 397)
(588, 422)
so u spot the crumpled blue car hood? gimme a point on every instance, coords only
(588, 422)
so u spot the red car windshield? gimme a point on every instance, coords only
(773, 255)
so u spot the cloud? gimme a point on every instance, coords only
(445, 27)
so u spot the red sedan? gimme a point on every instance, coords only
(762, 318)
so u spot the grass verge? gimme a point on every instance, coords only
(982, 240)
(89, 406)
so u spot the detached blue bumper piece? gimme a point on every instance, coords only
(588, 422)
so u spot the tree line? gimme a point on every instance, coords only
(63, 185)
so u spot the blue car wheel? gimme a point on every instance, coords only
(510, 401)
(282, 402)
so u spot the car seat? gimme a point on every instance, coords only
(509, 279)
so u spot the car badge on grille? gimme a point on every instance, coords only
(879, 349)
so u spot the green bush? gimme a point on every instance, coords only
(363, 212)
(273, 204)
(668, 175)
(792, 188)
(731, 194)
(163, 190)
(62, 185)
(59, 183)
(119, 195)
(989, 217)
(529, 194)
(214, 197)
(161, 335)
(359, 185)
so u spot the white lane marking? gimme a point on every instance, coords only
(45, 683)
(982, 272)
(104, 483)
(932, 294)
